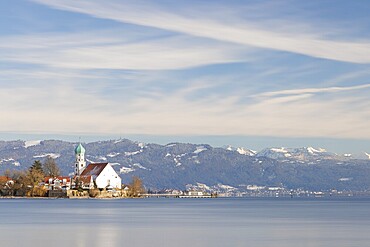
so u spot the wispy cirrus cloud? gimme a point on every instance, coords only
(304, 91)
(288, 115)
(238, 31)
(183, 70)
(90, 51)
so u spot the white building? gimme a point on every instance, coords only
(102, 175)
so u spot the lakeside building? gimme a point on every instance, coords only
(5, 185)
(95, 175)
(99, 175)
(57, 183)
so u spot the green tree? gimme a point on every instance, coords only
(50, 168)
(36, 166)
(34, 176)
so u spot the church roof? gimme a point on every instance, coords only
(94, 169)
(79, 149)
(85, 179)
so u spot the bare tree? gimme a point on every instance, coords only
(51, 168)
(17, 187)
(136, 187)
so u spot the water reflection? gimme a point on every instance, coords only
(166, 222)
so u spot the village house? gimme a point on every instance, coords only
(57, 183)
(5, 185)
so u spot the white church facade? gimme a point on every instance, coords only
(99, 175)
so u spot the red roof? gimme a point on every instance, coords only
(85, 179)
(4, 179)
(46, 179)
(94, 169)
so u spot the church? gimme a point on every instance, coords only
(99, 175)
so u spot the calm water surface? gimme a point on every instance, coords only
(185, 222)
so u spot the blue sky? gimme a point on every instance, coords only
(246, 73)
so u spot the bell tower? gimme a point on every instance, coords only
(80, 159)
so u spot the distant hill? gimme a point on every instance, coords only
(176, 165)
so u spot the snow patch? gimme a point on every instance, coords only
(126, 170)
(167, 155)
(90, 161)
(16, 163)
(138, 165)
(229, 147)
(282, 151)
(114, 164)
(368, 155)
(171, 145)
(200, 149)
(6, 160)
(203, 186)
(118, 141)
(195, 159)
(102, 158)
(198, 186)
(28, 144)
(312, 150)
(225, 187)
(133, 153)
(344, 179)
(255, 187)
(178, 163)
(111, 155)
(51, 155)
(279, 150)
(245, 151)
(141, 145)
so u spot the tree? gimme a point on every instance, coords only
(50, 168)
(16, 186)
(6, 183)
(136, 187)
(34, 176)
(36, 166)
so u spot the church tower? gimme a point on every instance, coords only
(80, 159)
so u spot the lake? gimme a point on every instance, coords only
(283, 222)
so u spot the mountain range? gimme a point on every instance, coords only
(178, 165)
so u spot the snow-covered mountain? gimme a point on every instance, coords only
(176, 165)
(305, 153)
(360, 156)
(241, 150)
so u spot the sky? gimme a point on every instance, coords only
(246, 73)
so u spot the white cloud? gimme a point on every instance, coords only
(89, 51)
(235, 30)
(69, 91)
(67, 110)
(313, 90)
